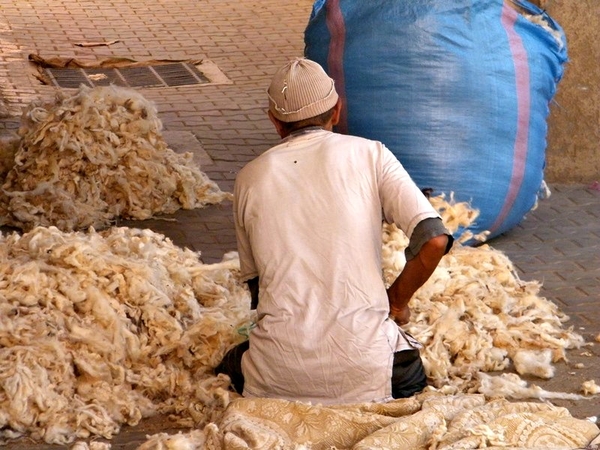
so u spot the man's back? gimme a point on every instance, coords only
(309, 215)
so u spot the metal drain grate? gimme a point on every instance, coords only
(160, 75)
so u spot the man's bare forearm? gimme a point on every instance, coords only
(415, 273)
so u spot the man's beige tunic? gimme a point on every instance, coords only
(308, 216)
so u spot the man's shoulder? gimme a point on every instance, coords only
(252, 170)
(358, 145)
(245, 171)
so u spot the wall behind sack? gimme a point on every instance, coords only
(573, 152)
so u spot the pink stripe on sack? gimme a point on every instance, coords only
(335, 60)
(519, 54)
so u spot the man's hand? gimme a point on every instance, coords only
(400, 316)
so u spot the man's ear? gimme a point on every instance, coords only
(337, 112)
(277, 124)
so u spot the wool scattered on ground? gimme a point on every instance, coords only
(101, 329)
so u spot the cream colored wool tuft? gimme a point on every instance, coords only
(194, 440)
(458, 215)
(534, 362)
(91, 446)
(543, 22)
(510, 385)
(590, 388)
(96, 155)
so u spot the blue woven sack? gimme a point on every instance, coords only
(458, 90)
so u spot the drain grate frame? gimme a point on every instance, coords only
(174, 74)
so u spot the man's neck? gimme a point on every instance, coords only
(328, 127)
(302, 131)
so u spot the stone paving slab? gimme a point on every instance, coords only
(558, 244)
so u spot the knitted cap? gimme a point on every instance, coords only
(300, 90)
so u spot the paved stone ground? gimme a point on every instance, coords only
(225, 125)
(558, 244)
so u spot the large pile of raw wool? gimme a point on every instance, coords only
(95, 155)
(102, 329)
